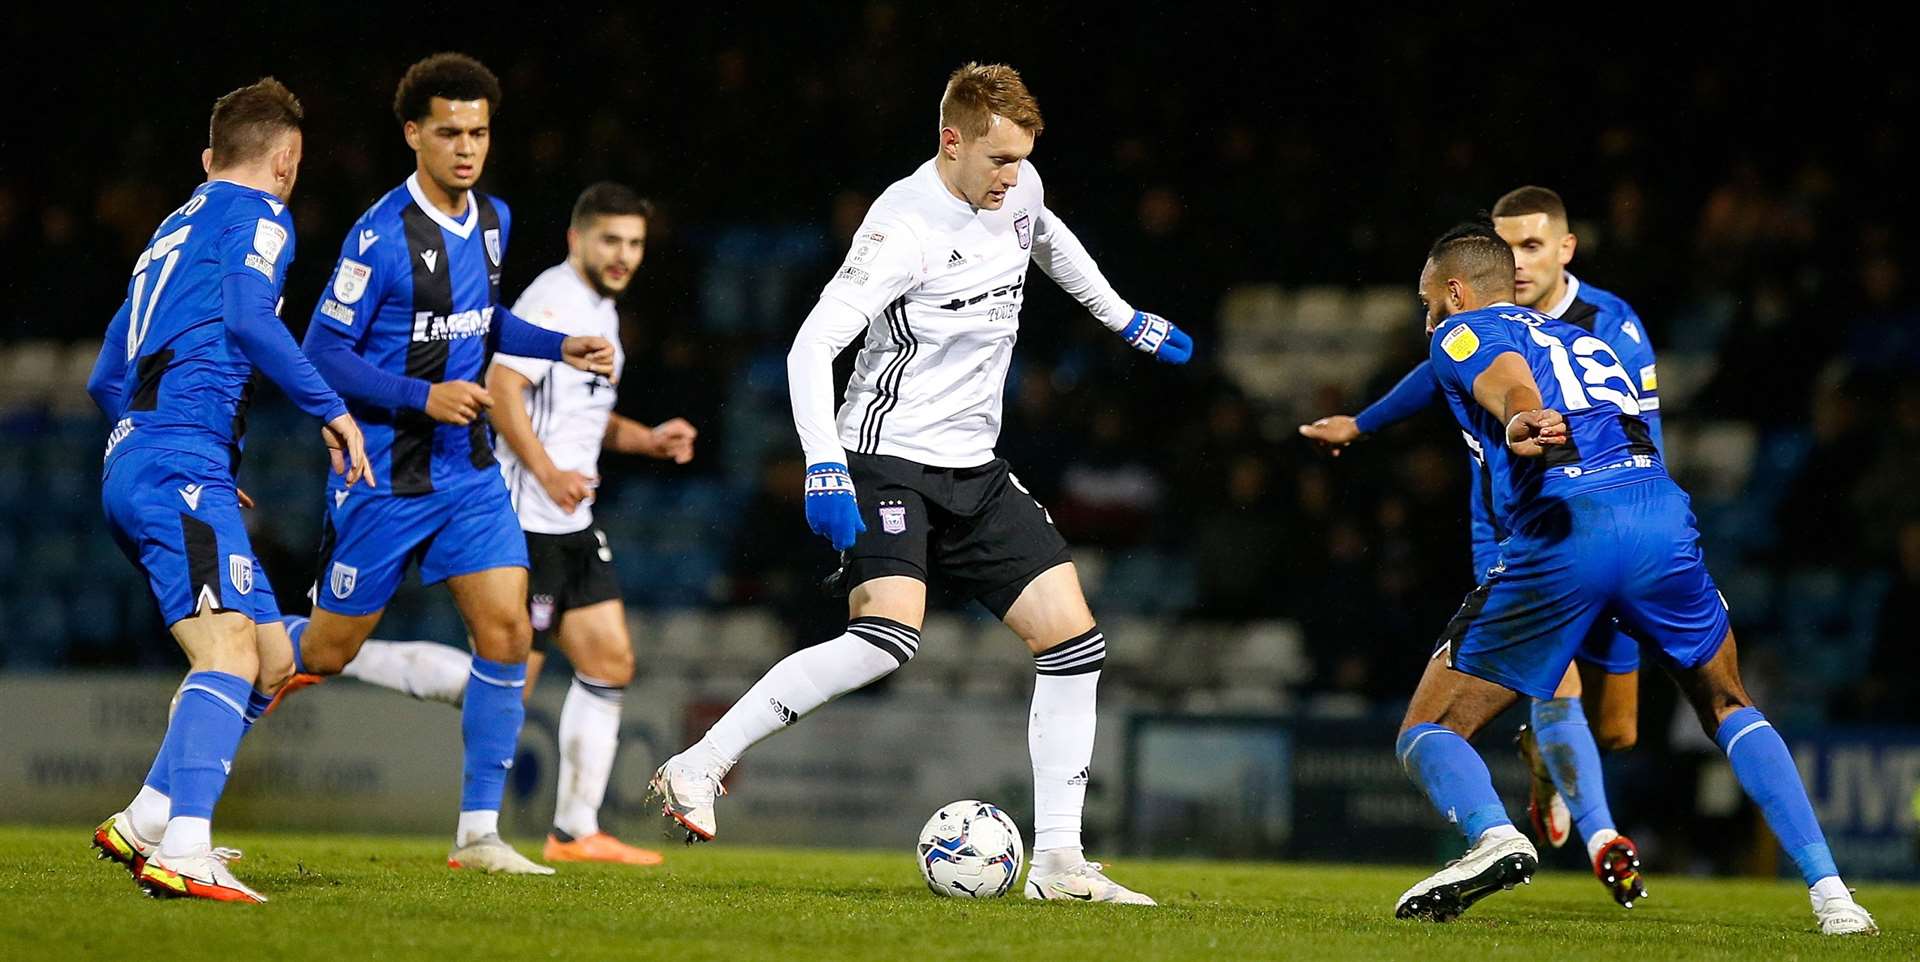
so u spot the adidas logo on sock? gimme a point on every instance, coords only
(1082, 778)
(787, 715)
(955, 259)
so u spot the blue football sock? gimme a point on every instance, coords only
(257, 703)
(159, 775)
(296, 627)
(1454, 777)
(201, 740)
(1765, 769)
(1566, 744)
(490, 728)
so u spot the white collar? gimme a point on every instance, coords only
(1566, 301)
(454, 227)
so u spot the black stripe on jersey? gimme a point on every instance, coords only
(480, 432)
(412, 468)
(147, 375)
(1486, 501)
(1581, 314)
(887, 385)
(240, 422)
(203, 561)
(1639, 437)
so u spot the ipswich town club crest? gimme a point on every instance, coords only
(1023, 229)
(893, 518)
(540, 612)
(342, 578)
(492, 237)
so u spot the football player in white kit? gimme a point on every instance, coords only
(552, 422)
(904, 481)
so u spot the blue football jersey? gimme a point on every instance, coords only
(1578, 375)
(415, 292)
(185, 382)
(1612, 320)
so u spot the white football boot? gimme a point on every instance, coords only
(1844, 916)
(688, 791)
(116, 841)
(201, 875)
(1084, 882)
(1492, 865)
(492, 855)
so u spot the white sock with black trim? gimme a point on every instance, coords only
(427, 670)
(1060, 737)
(589, 738)
(871, 649)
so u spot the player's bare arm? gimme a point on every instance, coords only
(1506, 388)
(508, 389)
(1333, 432)
(670, 440)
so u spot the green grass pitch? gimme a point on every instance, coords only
(339, 897)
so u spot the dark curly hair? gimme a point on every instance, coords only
(454, 76)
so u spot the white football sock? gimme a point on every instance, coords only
(186, 835)
(148, 812)
(1060, 737)
(427, 670)
(589, 736)
(1598, 841)
(807, 679)
(1828, 888)
(476, 825)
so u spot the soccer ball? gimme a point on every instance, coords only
(970, 849)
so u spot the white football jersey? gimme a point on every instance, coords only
(940, 284)
(569, 407)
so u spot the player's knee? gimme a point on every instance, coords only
(503, 635)
(612, 664)
(1617, 738)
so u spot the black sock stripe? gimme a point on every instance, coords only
(907, 639)
(891, 647)
(1087, 668)
(1072, 650)
(600, 689)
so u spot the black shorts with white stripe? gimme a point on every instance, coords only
(1075, 656)
(887, 635)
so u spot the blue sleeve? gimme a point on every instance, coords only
(253, 258)
(248, 302)
(521, 338)
(333, 355)
(1462, 350)
(1415, 393)
(110, 368)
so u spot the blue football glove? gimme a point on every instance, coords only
(1157, 336)
(832, 512)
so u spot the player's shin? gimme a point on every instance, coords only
(589, 737)
(1060, 733)
(490, 723)
(1567, 746)
(201, 741)
(871, 649)
(1454, 778)
(1765, 769)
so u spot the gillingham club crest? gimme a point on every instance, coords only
(341, 579)
(893, 517)
(492, 239)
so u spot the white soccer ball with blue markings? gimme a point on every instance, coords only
(970, 849)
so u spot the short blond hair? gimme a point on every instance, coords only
(977, 91)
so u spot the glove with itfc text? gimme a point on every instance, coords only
(1157, 336)
(832, 512)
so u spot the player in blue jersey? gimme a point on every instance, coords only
(1596, 529)
(403, 332)
(1569, 793)
(175, 374)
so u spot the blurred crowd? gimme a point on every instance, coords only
(1748, 204)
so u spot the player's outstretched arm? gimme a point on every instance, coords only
(1506, 389)
(110, 368)
(670, 440)
(508, 389)
(1415, 392)
(1061, 255)
(832, 510)
(521, 338)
